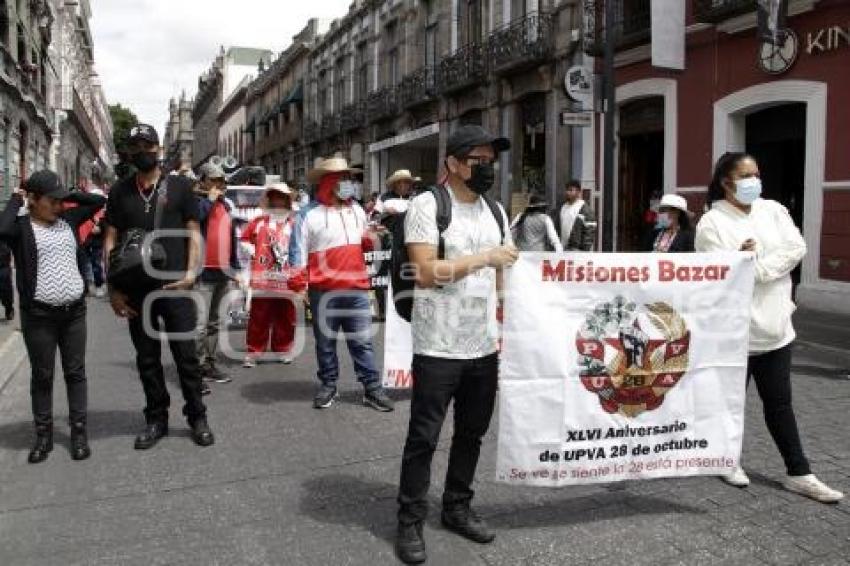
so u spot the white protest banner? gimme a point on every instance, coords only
(398, 347)
(623, 366)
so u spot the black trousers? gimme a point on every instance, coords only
(772, 373)
(172, 315)
(7, 296)
(436, 381)
(45, 329)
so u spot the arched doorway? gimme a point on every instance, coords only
(641, 176)
(731, 130)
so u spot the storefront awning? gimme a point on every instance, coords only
(296, 95)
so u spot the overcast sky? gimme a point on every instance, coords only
(147, 51)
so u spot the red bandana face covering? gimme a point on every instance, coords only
(327, 187)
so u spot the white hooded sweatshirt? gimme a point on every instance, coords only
(779, 249)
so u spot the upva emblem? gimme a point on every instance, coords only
(632, 355)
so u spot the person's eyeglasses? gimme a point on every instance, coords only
(478, 160)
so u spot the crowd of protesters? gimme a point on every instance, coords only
(308, 253)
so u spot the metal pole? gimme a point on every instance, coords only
(610, 109)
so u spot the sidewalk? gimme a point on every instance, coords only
(824, 336)
(12, 351)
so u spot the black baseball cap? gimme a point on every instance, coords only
(143, 132)
(46, 183)
(467, 137)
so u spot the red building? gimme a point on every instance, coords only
(788, 106)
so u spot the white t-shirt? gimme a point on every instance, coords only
(456, 320)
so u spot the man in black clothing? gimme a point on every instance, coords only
(153, 202)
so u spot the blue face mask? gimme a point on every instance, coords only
(747, 190)
(346, 190)
(662, 221)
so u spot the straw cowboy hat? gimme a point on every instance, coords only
(335, 164)
(674, 201)
(400, 175)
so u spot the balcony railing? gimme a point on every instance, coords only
(418, 87)
(715, 11)
(525, 41)
(465, 67)
(353, 116)
(312, 131)
(631, 24)
(382, 104)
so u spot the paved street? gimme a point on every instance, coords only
(286, 484)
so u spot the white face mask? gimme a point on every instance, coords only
(346, 190)
(747, 190)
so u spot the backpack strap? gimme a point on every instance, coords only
(444, 215)
(497, 214)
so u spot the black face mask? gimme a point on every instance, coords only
(145, 162)
(482, 178)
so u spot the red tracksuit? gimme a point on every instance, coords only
(270, 272)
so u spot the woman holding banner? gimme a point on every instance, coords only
(740, 220)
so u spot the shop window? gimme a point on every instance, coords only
(362, 64)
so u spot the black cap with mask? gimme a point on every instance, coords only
(466, 138)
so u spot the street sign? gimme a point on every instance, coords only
(577, 119)
(578, 82)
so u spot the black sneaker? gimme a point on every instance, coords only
(205, 389)
(324, 397)
(201, 433)
(151, 435)
(378, 399)
(212, 373)
(409, 544)
(43, 444)
(79, 442)
(10, 313)
(467, 523)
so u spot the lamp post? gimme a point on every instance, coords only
(608, 135)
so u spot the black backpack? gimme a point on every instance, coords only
(402, 272)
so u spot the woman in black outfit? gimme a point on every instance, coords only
(673, 232)
(51, 292)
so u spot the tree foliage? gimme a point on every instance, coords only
(123, 119)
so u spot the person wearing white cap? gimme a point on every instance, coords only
(329, 242)
(672, 231)
(399, 191)
(271, 325)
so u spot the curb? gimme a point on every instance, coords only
(12, 355)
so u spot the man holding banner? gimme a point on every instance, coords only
(455, 336)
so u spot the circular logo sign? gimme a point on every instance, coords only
(632, 355)
(776, 59)
(578, 82)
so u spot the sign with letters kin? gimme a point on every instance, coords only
(623, 366)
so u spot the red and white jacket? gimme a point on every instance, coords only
(329, 241)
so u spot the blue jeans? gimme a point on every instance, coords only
(347, 311)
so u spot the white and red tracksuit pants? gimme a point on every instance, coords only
(271, 316)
